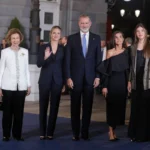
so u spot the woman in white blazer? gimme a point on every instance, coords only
(14, 84)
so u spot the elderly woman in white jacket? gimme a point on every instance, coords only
(14, 85)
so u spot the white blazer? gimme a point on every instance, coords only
(9, 69)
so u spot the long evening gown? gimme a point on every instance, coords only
(115, 81)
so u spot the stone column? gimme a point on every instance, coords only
(34, 46)
(34, 32)
(65, 16)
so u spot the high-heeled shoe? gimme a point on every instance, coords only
(112, 139)
(116, 137)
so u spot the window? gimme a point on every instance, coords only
(48, 19)
(46, 36)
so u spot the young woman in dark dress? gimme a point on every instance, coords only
(139, 84)
(115, 84)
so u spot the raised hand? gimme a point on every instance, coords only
(47, 53)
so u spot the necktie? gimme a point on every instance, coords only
(84, 44)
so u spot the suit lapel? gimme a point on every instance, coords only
(78, 42)
(90, 43)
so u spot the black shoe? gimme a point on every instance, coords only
(19, 139)
(133, 140)
(113, 140)
(6, 139)
(75, 138)
(42, 137)
(117, 139)
(86, 138)
(49, 138)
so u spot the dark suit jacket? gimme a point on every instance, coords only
(79, 68)
(52, 67)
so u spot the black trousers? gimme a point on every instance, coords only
(140, 115)
(86, 92)
(13, 108)
(47, 94)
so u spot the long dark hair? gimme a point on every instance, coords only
(146, 47)
(112, 42)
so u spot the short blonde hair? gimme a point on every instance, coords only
(11, 32)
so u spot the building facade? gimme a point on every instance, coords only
(49, 16)
(70, 10)
(9, 9)
(52, 12)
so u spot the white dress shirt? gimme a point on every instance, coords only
(14, 69)
(104, 51)
(87, 38)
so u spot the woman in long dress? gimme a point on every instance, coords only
(115, 84)
(139, 84)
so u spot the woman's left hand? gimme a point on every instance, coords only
(28, 91)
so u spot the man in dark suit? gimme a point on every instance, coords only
(83, 54)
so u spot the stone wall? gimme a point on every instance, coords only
(70, 10)
(14, 8)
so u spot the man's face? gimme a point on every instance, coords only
(64, 40)
(103, 43)
(84, 24)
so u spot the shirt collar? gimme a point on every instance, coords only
(81, 33)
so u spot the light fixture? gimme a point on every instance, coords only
(127, 0)
(112, 26)
(137, 13)
(122, 12)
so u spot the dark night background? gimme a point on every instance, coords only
(128, 22)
